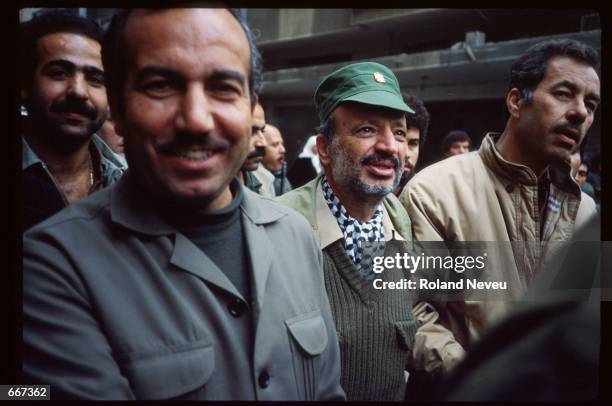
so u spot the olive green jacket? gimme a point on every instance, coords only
(375, 327)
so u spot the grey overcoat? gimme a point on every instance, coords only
(119, 305)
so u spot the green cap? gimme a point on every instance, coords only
(363, 82)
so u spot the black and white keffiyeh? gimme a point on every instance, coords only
(356, 233)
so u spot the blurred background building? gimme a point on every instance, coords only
(456, 60)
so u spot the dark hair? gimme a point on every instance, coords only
(585, 163)
(328, 128)
(114, 57)
(529, 70)
(50, 22)
(420, 118)
(595, 161)
(455, 136)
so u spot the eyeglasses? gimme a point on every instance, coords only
(582, 173)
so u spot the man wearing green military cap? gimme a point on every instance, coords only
(361, 143)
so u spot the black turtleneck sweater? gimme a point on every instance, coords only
(219, 235)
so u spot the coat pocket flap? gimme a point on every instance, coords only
(309, 332)
(170, 374)
(406, 331)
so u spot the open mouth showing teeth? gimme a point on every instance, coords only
(382, 164)
(194, 154)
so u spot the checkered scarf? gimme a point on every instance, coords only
(355, 232)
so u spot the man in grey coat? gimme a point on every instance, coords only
(177, 282)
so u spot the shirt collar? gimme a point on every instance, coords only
(109, 161)
(28, 156)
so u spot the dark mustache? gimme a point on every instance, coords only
(569, 127)
(183, 140)
(377, 156)
(259, 151)
(71, 105)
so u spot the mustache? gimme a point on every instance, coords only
(184, 140)
(572, 130)
(377, 156)
(258, 152)
(72, 105)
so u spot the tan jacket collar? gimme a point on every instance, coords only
(559, 174)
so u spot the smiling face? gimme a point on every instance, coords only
(564, 102)
(365, 157)
(187, 118)
(67, 102)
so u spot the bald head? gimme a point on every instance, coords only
(275, 149)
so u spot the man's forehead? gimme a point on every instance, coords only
(76, 48)
(185, 27)
(273, 134)
(413, 132)
(367, 112)
(566, 68)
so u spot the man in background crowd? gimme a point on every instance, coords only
(111, 138)
(456, 142)
(417, 123)
(63, 160)
(274, 159)
(178, 282)
(594, 178)
(252, 174)
(580, 170)
(517, 187)
(307, 165)
(361, 144)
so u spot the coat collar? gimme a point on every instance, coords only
(559, 174)
(132, 209)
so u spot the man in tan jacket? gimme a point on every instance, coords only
(516, 189)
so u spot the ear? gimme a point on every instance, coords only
(514, 102)
(323, 149)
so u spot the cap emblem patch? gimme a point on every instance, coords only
(379, 77)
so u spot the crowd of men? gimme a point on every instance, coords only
(201, 272)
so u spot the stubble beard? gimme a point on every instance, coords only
(347, 174)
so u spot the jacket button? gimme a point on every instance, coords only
(509, 188)
(236, 307)
(264, 379)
